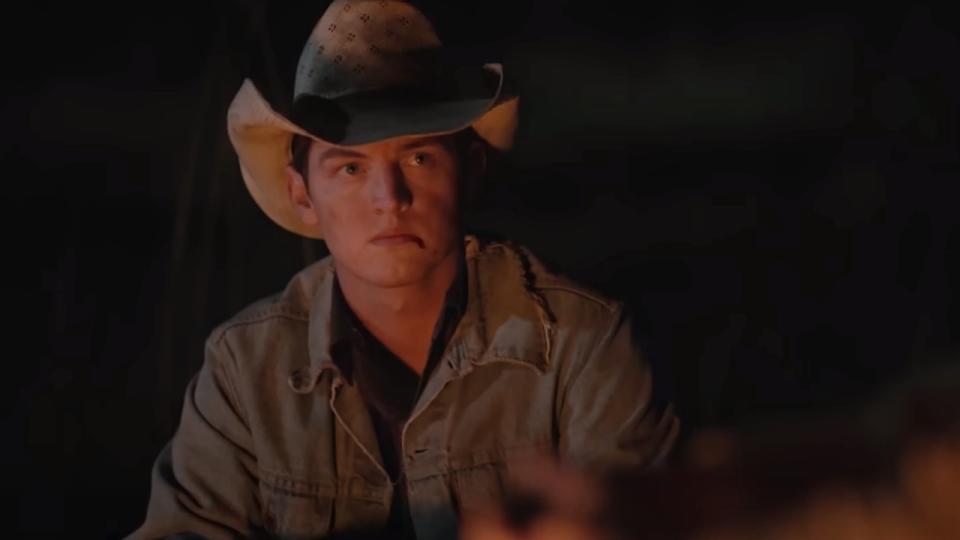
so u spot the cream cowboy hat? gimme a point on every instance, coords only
(370, 70)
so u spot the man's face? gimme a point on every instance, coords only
(389, 211)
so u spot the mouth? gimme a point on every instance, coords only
(396, 239)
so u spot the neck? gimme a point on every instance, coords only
(402, 318)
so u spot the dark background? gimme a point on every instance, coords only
(772, 190)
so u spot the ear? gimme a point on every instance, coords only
(477, 159)
(475, 166)
(300, 197)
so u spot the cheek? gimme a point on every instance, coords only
(439, 199)
(341, 218)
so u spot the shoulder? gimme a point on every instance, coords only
(279, 314)
(540, 276)
(569, 301)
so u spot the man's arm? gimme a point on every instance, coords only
(607, 417)
(204, 481)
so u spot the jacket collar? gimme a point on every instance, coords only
(504, 316)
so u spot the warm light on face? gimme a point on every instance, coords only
(389, 210)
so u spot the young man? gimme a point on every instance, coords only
(395, 384)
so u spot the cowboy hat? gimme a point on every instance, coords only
(370, 70)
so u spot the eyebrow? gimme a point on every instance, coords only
(425, 141)
(334, 152)
(338, 152)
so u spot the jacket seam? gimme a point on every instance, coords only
(228, 384)
(221, 333)
(609, 305)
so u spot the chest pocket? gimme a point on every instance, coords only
(295, 508)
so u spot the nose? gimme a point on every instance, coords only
(389, 191)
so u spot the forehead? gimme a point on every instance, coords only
(386, 146)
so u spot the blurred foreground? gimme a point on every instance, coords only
(887, 471)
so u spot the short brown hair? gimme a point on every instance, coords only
(300, 149)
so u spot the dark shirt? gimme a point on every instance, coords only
(388, 386)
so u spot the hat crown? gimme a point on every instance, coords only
(363, 45)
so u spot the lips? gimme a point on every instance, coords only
(392, 238)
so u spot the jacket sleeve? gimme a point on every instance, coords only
(607, 417)
(204, 481)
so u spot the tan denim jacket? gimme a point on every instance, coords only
(273, 443)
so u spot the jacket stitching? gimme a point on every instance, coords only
(222, 332)
(228, 384)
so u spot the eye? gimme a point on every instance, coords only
(420, 158)
(351, 169)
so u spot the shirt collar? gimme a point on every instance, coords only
(493, 292)
(344, 324)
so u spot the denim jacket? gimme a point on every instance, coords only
(273, 442)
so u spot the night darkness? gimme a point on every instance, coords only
(773, 191)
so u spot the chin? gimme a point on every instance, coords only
(394, 274)
(392, 269)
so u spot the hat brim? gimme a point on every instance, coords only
(261, 136)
